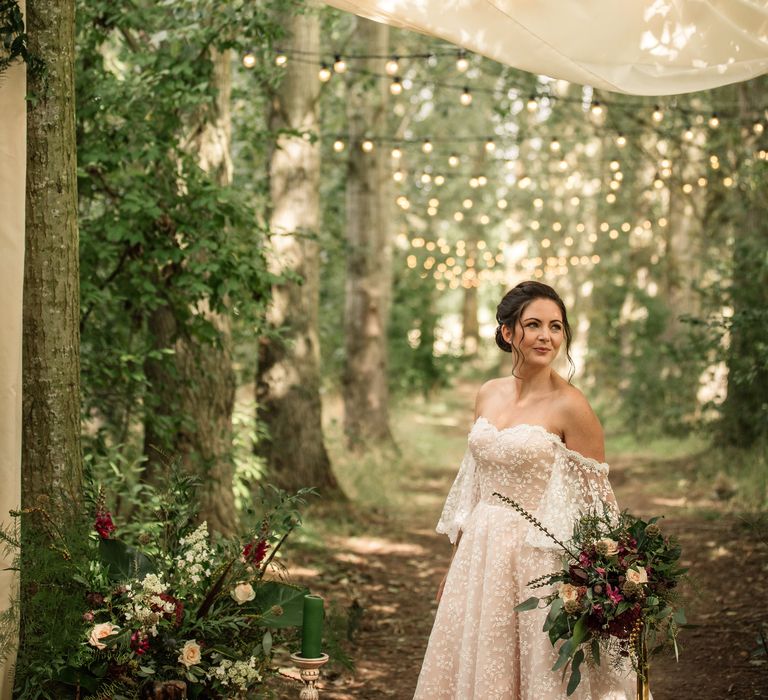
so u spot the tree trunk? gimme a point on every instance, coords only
(192, 395)
(369, 256)
(51, 452)
(288, 378)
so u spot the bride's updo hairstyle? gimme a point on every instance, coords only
(510, 310)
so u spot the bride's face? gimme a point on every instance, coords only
(539, 334)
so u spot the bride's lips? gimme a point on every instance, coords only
(541, 350)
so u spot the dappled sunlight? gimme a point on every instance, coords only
(379, 545)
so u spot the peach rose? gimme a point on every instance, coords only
(568, 592)
(242, 593)
(103, 629)
(190, 653)
(637, 576)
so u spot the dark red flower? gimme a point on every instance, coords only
(585, 560)
(139, 643)
(254, 552)
(178, 610)
(104, 525)
(622, 625)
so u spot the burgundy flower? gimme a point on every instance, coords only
(585, 560)
(104, 525)
(88, 616)
(254, 552)
(139, 643)
(94, 599)
(622, 625)
(178, 610)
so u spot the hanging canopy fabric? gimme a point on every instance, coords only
(638, 47)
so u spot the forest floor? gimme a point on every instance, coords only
(379, 561)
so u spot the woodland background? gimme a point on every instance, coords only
(279, 209)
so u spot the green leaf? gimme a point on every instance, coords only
(575, 672)
(554, 611)
(281, 604)
(530, 604)
(580, 631)
(563, 655)
(679, 616)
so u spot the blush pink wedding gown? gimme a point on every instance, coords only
(480, 648)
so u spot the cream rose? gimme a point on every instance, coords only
(568, 592)
(637, 576)
(607, 547)
(243, 592)
(103, 629)
(190, 653)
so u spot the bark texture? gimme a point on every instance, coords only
(51, 451)
(369, 255)
(288, 380)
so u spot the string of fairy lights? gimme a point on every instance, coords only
(468, 263)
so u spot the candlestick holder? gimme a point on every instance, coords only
(310, 673)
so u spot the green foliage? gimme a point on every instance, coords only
(156, 230)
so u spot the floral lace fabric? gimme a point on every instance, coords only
(480, 648)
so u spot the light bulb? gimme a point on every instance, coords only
(490, 146)
(396, 86)
(339, 64)
(338, 145)
(427, 146)
(657, 115)
(453, 160)
(461, 62)
(398, 176)
(466, 97)
(397, 153)
(467, 203)
(482, 180)
(392, 66)
(714, 122)
(532, 105)
(554, 145)
(367, 145)
(281, 59)
(439, 180)
(249, 59)
(621, 140)
(758, 128)
(324, 73)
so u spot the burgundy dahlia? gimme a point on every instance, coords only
(103, 524)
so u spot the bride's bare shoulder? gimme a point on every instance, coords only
(580, 425)
(490, 392)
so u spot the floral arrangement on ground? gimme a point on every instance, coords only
(178, 603)
(617, 594)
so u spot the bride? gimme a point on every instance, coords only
(535, 439)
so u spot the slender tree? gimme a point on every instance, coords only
(51, 452)
(288, 378)
(369, 256)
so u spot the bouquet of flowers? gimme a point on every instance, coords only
(177, 605)
(617, 593)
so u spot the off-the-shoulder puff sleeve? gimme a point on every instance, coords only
(461, 500)
(576, 485)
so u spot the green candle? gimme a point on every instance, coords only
(312, 627)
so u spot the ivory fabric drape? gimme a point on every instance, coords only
(640, 47)
(13, 167)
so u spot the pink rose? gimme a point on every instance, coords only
(637, 575)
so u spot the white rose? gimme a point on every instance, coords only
(637, 576)
(190, 653)
(242, 593)
(568, 592)
(103, 629)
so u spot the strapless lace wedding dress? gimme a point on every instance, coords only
(480, 648)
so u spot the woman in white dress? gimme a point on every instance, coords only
(537, 440)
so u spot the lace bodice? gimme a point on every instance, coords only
(533, 466)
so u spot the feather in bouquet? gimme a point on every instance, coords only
(617, 593)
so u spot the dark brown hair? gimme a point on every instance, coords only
(511, 308)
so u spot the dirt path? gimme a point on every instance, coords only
(387, 578)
